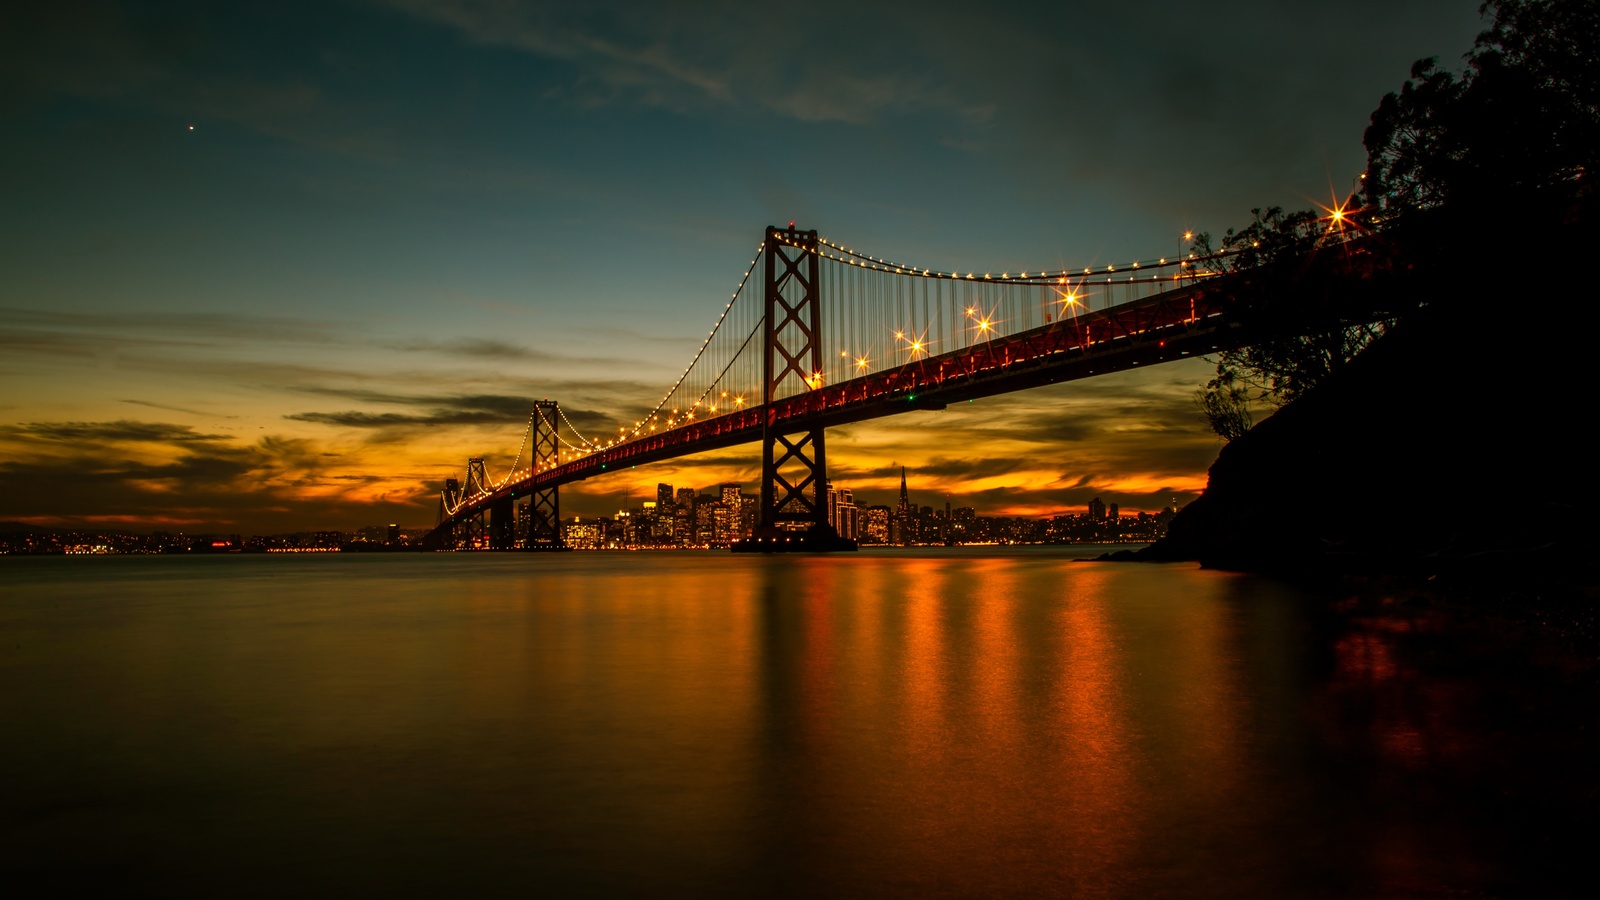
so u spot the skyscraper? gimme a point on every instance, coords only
(842, 511)
(903, 530)
(731, 498)
(876, 524)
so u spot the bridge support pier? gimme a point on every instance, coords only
(794, 472)
(503, 523)
(471, 532)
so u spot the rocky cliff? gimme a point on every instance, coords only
(1464, 434)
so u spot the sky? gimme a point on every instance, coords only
(281, 267)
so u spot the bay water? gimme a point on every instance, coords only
(917, 723)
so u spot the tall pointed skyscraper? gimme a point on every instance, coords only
(904, 517)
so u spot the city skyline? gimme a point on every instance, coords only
(678, 518)
(280, 268)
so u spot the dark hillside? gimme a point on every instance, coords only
(1464, 435)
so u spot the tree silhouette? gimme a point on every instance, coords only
(1517, 129)
(1225, 404)
(1307, 332)
(1522, 120)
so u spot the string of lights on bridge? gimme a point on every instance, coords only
(878, 318)
(858, 259)
(716, 397)
(1071, 285)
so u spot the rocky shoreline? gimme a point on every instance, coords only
(1449, 464)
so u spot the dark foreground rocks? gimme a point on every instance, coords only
(1458, 450)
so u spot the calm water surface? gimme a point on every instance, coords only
(648, 724)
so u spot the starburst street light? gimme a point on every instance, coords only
(984, 322)
(1069, 300)
(917, 344)
(1339, 216)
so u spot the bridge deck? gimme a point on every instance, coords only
(1183, 322)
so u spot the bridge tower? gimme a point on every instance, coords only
(794, 470)
(448, 498)
(544, 506)
(472, 531)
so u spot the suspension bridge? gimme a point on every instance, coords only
(818, 334)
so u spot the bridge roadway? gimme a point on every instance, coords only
(1184, 321)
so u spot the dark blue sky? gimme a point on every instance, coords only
(404, 206)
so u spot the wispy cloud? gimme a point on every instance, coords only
(402, 420)
(154, 472)
(489, 349)
(90, 433)
(163, 406)
(800, 64)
